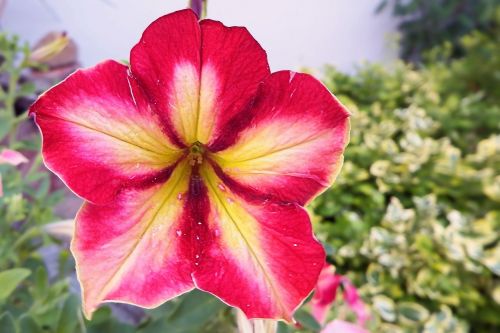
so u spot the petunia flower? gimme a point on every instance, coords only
(195, 163)
(340, 326)
(12, 157)
(326, 293)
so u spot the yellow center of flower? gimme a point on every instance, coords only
(196, 152)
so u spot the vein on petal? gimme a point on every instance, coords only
(249, 246)
(112, 280)
(275, 151)
(173, 152)
(288, 174)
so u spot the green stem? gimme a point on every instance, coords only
(36, 164)
(27, 235)
(10, 99)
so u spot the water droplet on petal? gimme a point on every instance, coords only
(179, 233)
(197, 237)
(221, 187)
(200, 223)
(197, 256)
(179, 196)
(295, 244)
(229, 200)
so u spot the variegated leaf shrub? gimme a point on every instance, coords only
(415, 217)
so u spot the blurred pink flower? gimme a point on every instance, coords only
(352, 298)
(340, 326)
(12, 157)
(326, 293)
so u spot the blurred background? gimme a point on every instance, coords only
(413, 221)
(293, 34)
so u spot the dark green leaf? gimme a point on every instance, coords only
(307, 320)
(70, 317)
(28, 325)
(7, 323)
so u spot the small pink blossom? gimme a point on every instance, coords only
(326, 293)
(340, 326)
(12, 157)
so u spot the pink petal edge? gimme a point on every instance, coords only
(12, 157)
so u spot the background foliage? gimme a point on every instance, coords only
(413, 219)
(425, 24)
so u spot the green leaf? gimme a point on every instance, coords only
(192, 315)
(10, 279)
(283, 328)
(412, 313)
(70, 317)
(307, 320)
(196, 309)
(5, 123)
(385, 307)
(41, 283)
(27, 88)
(43, 188)
(28, 325)
(7, 323)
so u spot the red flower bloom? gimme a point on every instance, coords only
(195, 163)
(326, 293)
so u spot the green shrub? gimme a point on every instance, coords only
(414, 217)
(425, 24)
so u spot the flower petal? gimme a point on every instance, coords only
(210, 74)
(291, 149)
(12, 157)
(351, 296)
(325, 292)
(233, 66)
(100, 135)
(167, 63)
(133, 250)
(258, 256)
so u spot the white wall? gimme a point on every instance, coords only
(295, 33)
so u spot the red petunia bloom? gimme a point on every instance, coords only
(195, 163)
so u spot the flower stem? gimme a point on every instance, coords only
(246, 325)
(199, 7)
